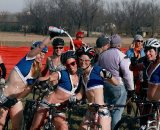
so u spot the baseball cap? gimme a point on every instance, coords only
(138, 37)
(80, 34)
(116, 39)
(102, 40)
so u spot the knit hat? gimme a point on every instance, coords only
(138, 37)
(102, 40)
(116, 39)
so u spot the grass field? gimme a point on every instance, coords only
(18, 39)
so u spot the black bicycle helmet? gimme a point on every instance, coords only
(38, 43)
(86, 50)
(58, 42)
(68, 54)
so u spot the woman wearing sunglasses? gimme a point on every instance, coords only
(135, 54)
(93, 80)
(68, 82)
(53, 63)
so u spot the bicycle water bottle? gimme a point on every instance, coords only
(56, 30)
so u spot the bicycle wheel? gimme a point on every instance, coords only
(128, 123)
(29, 110)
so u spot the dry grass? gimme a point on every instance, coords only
(18, 39)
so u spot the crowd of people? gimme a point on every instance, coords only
(101, 75)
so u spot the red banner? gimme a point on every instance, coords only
(12, 55)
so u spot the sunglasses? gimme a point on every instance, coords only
(71, 64)
(58, 47)
(139, 40)
(84, 60)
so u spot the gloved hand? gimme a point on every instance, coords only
(10, 102)
(132, 94)
(134, 61)
(106, 74)
(72, 99)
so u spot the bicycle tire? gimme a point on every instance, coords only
(127, 123)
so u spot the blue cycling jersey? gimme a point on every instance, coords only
(23, 68)
(154, 77)
(94, 79)
(65, 82)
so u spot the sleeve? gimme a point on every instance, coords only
(127, 74)
(3, 68)
(155, 77)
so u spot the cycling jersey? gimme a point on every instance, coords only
(51, 66)
(65, 82)
(23, 68)
(154, 77)
(94, 79)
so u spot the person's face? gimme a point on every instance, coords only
(71, 65)
(151, 54)
(58, 50)
(139, 44)
(84, 61)
(40, 56)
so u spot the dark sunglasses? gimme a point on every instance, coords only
(58, 47)
(139, 40)
(71, 64)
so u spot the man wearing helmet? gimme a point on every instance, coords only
(152, 50)
(20, 82)
(93, 80)
(68, 83)
(78, 42)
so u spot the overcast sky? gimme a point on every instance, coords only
(18, 5)
(11, 5)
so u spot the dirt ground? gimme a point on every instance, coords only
(18, 39)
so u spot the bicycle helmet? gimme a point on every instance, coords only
(152, 43)
(58, 42)
(80, 34)
(37, 44)
(68, 54)
(86, 50)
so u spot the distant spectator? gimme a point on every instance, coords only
(102, 44)
(78, 41)
(134, 54)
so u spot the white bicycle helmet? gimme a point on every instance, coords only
(152, 43)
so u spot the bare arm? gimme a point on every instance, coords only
(37, 50)
(153, 92)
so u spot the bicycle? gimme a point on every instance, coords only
(94, 111)
(52, 111)
(134, 123)
(32, 104)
